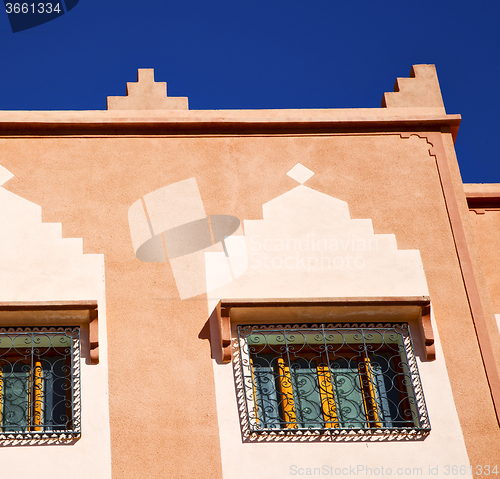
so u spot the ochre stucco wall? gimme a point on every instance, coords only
(486, 225)
(162, 399)
(37, 265)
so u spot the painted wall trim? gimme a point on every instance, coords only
(55, 313)
(465, 260)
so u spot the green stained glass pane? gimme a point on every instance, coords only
(15, 401)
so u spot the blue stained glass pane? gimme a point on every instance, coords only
(267, 398)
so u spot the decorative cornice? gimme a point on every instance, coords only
(147, 94)
(481, 197)
(421, 90)
(202, 123)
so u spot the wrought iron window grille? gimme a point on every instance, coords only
(330, 380)
(40, 383)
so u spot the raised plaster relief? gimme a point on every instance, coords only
(37, 263)
(306, 245)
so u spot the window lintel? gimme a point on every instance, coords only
(54, 313)
(410, 309)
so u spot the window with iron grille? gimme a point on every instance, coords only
(333, 379)
(39, 381)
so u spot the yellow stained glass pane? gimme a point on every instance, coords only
(286, 391)
(1, 396)
(328, 405)
(37, 396)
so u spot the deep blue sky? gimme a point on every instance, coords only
(265, 54)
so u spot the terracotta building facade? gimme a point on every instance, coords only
(238, 294)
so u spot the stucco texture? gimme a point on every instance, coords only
(162, 391)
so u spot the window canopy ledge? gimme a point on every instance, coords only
(54, 313)
(412, 309)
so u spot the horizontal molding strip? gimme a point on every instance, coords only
(52, 125)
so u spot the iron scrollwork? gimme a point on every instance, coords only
(331, 379)
(39, 382)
